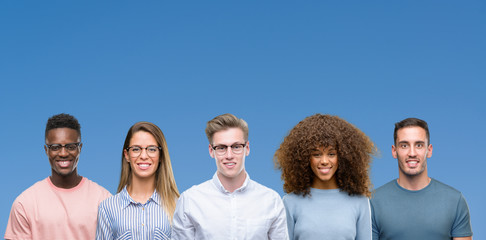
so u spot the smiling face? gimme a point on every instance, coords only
(230, 166)
(63, 162)
(412, 150)
(324, 164)
(143, 164)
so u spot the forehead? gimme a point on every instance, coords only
(143, 138)
(228, 136)
(411, 134)
(62, 135)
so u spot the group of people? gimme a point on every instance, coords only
(325, 164)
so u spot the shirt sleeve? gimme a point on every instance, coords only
(462, 222)
(374, 229)
(103, 229)
(363, 225)
(182, 226)
(18, 226)
(290, 219)
(278, 229)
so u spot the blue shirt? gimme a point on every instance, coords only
(328, 214)
(120, 217)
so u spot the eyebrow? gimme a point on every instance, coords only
(407, 142)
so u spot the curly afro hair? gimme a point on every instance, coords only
(354, 150)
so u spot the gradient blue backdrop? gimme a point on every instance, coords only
(179, 64)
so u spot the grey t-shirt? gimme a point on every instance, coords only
(437, 211)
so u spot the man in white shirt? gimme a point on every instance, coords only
(230, 205)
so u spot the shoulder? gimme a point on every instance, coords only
(95, 189)
(263, 191)
(384, 190)
(112, 202)
(198, 190)
(444, 187)
(33, 192)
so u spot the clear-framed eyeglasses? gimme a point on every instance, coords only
(70, 147)
(135, 151)
(236, 148)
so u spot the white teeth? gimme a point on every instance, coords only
(144, 165)
(230, 164)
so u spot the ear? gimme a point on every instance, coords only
(126, 155)
(429, 151)
(247, 148)
(211, 151)
(80, 147)
(394, 151)
(45, 149)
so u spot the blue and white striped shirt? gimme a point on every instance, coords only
(120, 217)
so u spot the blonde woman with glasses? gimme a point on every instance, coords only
(147, 193)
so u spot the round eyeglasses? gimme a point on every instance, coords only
(70, 147)
(135, 151)
(235, 148)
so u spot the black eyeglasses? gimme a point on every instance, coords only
(135, 151)
(70, 147)
(235, 148)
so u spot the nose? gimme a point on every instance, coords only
(413, 151)
(324, 160)
(63, 152)
(144, 153)
(229, 153)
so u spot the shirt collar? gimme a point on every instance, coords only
(127, 200)
(220, 186)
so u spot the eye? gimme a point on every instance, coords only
(71, 146)
(135, 149)
(152, 149)
(220, 148)
(316, 154)
(55, 147)
(332, 154)
(420, 145)
(237, 146)
(403, 145)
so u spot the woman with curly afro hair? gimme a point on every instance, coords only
(325, 162)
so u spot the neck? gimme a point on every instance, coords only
(319, 184)
(141, 189)
(413, 183)
(231, 184)
(65, 181)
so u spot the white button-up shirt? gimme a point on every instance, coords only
(209, 211)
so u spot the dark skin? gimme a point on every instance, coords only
(64, 173)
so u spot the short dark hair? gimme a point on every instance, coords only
(411, 122)
(63, 120)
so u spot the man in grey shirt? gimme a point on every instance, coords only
(415, 206)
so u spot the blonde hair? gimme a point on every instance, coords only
(223, 122)
(164, 178)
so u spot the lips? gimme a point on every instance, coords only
(324, 170)
(412, 163)
(144, 166)
(230, 164)
(63, 163)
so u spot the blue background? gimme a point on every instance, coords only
(180, 63)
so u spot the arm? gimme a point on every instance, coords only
(278, 229)
(103, 228)
(290, 219)
(182, 227)
(461, 228)
(374, 226)
(363, 225)
(18, 226)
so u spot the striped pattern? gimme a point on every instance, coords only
(120, 217)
